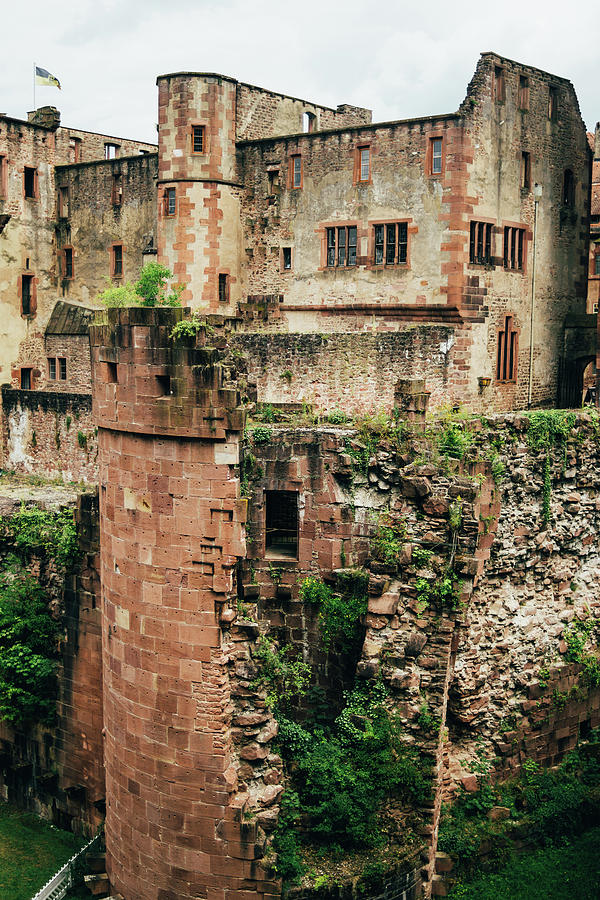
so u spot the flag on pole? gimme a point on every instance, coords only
(42, 76)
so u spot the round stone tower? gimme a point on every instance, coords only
(172, 529)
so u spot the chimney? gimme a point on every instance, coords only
(47, 116)
(597, 142)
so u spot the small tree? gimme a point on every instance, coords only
(149, 290)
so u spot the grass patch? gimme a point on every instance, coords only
(553, 873)
(31, 851)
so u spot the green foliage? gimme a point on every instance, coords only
(250, 473)
(577, 635)
(28, 652)
(347, 771)
(35, 530)
(497, 467)
(454, 441)
(82, 440)
(68, 421)
(284, 674)
(455, 515)
(261, 434)
(444, 591)
(387, 540)
(340, 614)
(420, 556)
(549, 428)
(337, 417)
(427, 721)
(285, 840)
(189, 328)
(149, 290)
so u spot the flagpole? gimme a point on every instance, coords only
(34, 86)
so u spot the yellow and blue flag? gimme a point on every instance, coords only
(42, 76)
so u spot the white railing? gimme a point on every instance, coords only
(59, 884)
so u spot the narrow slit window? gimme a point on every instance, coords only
(506, 364)
(523, 92)
(364, 163)
(552, 103)
(68, 258)
(296, 172)
(62, 368)
(52, 368)
(568, 188)
(223, 287)
(273, 179)
(117, 261)
(117, 190)
(63, 202)
(170, 201)
(525, 170)
(281, 523)
(29, 182)
(26, 379)
(26, 295)
(480, 244)
(436, 156)
(499, 85)
(287, 258)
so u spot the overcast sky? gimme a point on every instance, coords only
(398, 58)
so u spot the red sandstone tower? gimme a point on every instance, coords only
(171, 532)
(199, 229)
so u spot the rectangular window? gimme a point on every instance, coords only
(341, 246)
(273, 179)
(296, 172)
(499, 88)
(525, 170)
(111, 151)
(514, 241)
(2, 176)
(436, 156)
(281, 523)
(75, 150)
(63, 202)
(198, 139)
(523, 92)
(223, 287)
(170, 201)
(480, 244)
(68, 273)
(597, 264)
(62, 368)
(286, 258)
(25, 379)
(506, 363)
(117, 261)
(30, 182)
(26, 295)
(52, 368)
(391, 244)
(552, 103)
(364, 162)
(117, 190)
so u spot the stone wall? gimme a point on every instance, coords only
(49, 433)
(58, 773)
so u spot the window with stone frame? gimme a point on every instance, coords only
(30, 183)
(198, 139)
(26, 379)
(525, 170)
(116, 264)
(170, 201)
(507, 350)
(296, 172)
(68, 262)
(111, 151)
(117, 189)
(281, 524)
(52, 368)
(480, 243)
(552, 103)
(514, 246)
(341, 246)
(499, 85)
(390, 244)
(27, 295)
(523, 92)
(223, 287)
(436, 159)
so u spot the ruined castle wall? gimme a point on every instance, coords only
(106, 203)
(58, 773)
(356, 373)
(51, 434)
(506, 121)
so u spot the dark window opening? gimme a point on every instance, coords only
(273, 177)
(287, 258)
(281, 523)
(499, 87)
(62, 368)
(597, 264)
(26, 295)
(110, 373)
(117, 190)
(585, 730)
(568, 197)
(25, 379)
(68, 262)
(523, 92)
(525, 170)
(341, 246)
(480, 243)
(223, 287)
(506, 364)
(514, 240)
(63, 202)
(29, 182)
(117, 261)
(52, 368)
(296, 171)
(164, 385)
(198, 138)
(552, 103)
(391, 244)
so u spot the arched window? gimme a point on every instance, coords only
(568, 198)
(308, 122)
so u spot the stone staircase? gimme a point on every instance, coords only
(97, 881)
